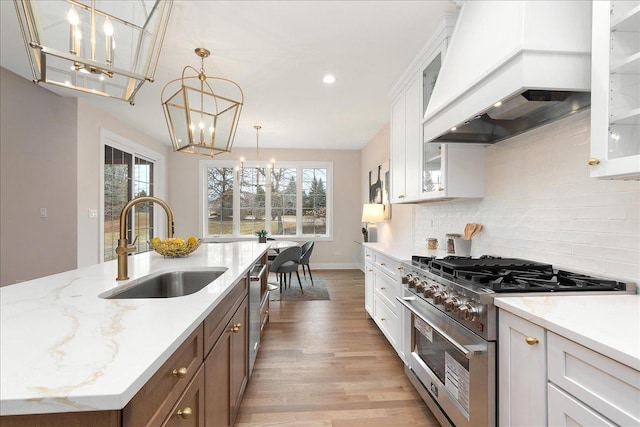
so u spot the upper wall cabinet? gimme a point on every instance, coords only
(421, 172)
(615, 90)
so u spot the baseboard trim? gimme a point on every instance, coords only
(335, 266)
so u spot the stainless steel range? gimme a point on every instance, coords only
(450, 326)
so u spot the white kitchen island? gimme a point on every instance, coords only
(65, 349)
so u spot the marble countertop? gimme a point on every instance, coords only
(65, 349)
(607, 324)
(403, 253)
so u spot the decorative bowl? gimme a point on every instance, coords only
(177, 247)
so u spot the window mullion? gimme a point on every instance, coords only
(236, 204)
(299, 201)
(267, 199)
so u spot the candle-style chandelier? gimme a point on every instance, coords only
(202, 120)
(107, 48)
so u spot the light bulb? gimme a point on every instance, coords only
(201, 125)
(191, 126)
(73, 17)
(107, 27)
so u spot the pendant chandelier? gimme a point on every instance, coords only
(201, 120)
(107, 48)
(270, 165)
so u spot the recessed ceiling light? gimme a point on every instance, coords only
(329, 79)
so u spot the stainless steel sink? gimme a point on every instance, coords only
(168, 284)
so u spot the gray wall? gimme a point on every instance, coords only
(37, 170)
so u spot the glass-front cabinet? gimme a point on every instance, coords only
(615, 90)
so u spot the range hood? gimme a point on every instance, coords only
(511, 66)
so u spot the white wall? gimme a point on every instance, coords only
(399, 229)
(540, 204)
(37, 170)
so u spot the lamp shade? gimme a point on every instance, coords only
(372, 212)
(107, 48)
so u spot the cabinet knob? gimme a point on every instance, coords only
(382, 288)
(593, 161)
(370, 270)
(532, 340)
(401, 196)
(382, 264)
(235, 328)
(400, 267)
(383, 319)
(185, 413)
(179, 373)
(440, 188)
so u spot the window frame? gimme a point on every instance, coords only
(298, 165)
(108, 138)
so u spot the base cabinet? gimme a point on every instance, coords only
(521, 379)
(382, 286)
(547, 379)
(226, 371)
(189, 410)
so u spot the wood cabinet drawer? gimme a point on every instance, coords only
(387, 320)
(216, 321)
(189, 410)
(151, 405)
(607, 386)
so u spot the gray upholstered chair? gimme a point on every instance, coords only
(307, 248)
(287, 262)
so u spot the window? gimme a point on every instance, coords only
(129, 171)
(293, 199)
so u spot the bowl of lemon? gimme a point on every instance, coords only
(177, 247)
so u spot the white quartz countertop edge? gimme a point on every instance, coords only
(607, 324)
(65, 349)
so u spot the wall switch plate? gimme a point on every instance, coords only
(43, 212)
(93, 213)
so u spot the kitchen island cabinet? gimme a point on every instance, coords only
(585, 352)
(138, 355)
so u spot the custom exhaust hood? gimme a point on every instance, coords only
(511, 66)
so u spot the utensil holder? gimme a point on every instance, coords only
(462, 247)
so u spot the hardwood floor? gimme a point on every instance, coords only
(322, 363)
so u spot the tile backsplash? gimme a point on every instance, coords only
(541, 204)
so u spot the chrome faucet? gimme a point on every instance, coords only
(124, 248)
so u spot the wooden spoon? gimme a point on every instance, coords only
(468, 230)
(476, 229)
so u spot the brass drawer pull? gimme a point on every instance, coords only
(235, 328)
(382, 264)
(382, 288)
(179, 373)
(593, 161)
(532, 340)
(185, 413)
(400, 267)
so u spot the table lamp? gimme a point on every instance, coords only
(372, 213)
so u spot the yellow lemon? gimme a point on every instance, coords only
(192, 240)
(155, 240)
(178, 241)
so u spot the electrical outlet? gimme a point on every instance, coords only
(43, 212)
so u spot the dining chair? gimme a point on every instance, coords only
(307, 248)
(287, 262)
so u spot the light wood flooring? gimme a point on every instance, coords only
(323, 363)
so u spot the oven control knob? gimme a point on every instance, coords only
(412, 282)
(439, 297)
(420, 286)
(454, 303)
(430, 290)
(406, 277)
(470, 311)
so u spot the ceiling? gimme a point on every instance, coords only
(278, 52)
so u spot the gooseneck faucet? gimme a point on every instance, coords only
(124, 248)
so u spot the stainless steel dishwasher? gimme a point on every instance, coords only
(258, 293)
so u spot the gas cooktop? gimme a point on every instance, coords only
(503, 275)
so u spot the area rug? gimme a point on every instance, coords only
(316, 292)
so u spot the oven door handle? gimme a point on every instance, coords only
(468, 353)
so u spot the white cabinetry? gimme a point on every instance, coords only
(382, 286)
(405, 143)
(547, 379)
(522, 364)
(615, 90)
(428, 171)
